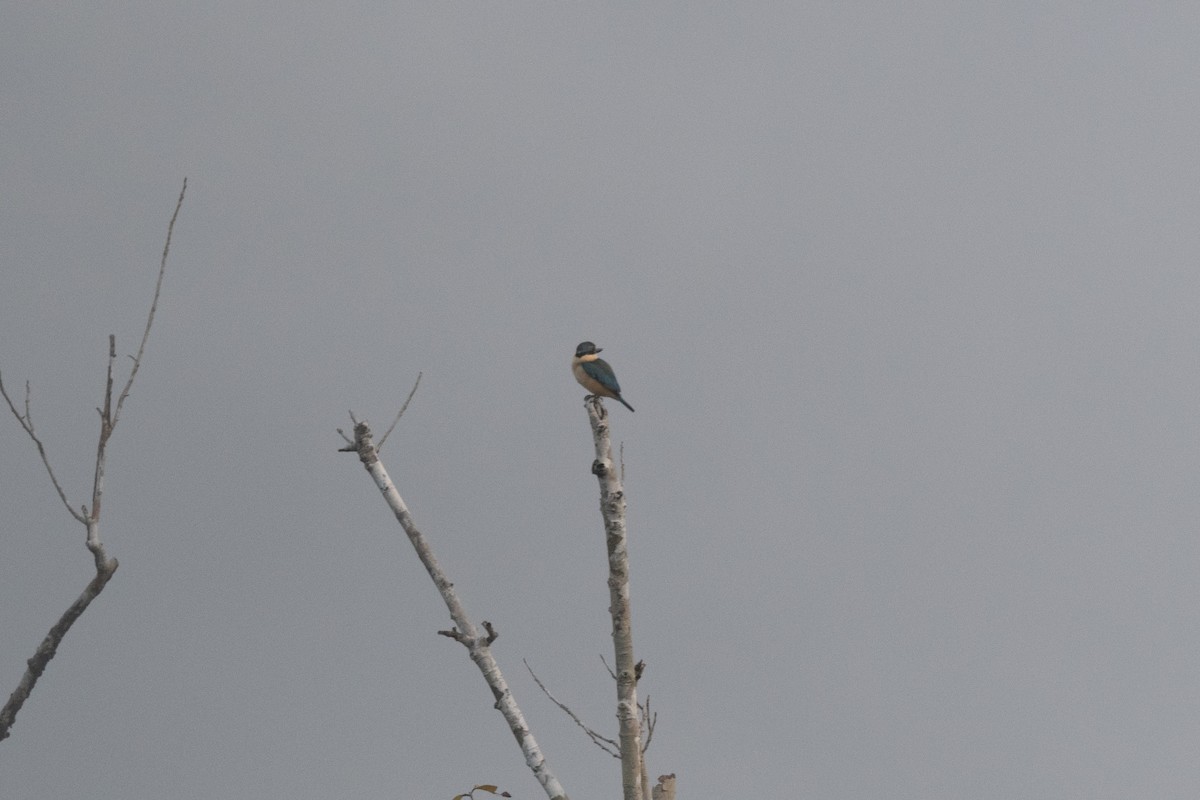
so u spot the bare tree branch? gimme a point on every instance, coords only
(649, 720)
(612, 509)
(403, 408)
(162, 269)
(27, 423)
(36, 665)
(350, 444)
(609, 746)
(90, 518)
(464, 631)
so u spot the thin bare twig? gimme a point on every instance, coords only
(611, 674)
(162, 269)
(610, 746)
(649, 720)
(110, 414)
(27, 423)
(403, 408)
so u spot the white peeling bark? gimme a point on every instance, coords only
(465, 632)
(612, 508)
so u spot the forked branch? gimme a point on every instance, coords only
(88, 517)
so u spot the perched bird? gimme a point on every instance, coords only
(594, 373)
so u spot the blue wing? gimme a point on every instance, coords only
(602, 373)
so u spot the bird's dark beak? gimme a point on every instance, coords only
(598, 349)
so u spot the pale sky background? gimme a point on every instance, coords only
(905, 295)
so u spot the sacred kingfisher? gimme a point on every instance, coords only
(594, 373)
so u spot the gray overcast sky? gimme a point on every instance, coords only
(905, 296)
